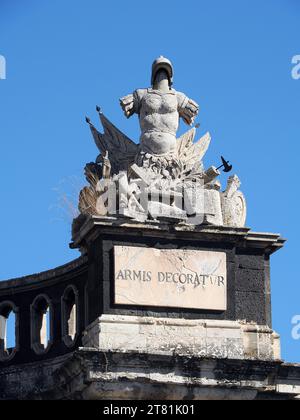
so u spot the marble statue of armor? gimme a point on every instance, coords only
(162, 177)
(159, 109)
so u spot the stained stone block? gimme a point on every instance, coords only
(251, 306)
(250, 281)
(251, 345)
(265, 346)
(213, 209)
(235, 349)
(222, 339)
(252, 262)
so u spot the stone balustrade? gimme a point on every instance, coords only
(43, 316)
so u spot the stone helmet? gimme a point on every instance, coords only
(165, 64)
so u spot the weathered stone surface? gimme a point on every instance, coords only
(213, 208)
(252, 305)
(30, 381)
(250, 281)
(170, 278)
(89, 374)
(212, 339)
(252, 262)
(234, 204)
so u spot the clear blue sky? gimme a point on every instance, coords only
(64, 57)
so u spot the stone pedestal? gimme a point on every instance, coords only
(160, 293)
(227, 270)
(215, 342)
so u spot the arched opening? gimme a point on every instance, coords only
(70, 316)
(8, 331)
(41, 324)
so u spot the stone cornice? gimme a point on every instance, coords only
(240, 237)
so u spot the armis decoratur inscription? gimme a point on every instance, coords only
(170, 278)
(195, 280)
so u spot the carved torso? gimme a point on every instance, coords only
(159, 114)
(159, 120)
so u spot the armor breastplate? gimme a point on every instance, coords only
(160, 103)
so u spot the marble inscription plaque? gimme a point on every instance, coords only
(170, 278)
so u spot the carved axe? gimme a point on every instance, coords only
(225, 164)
